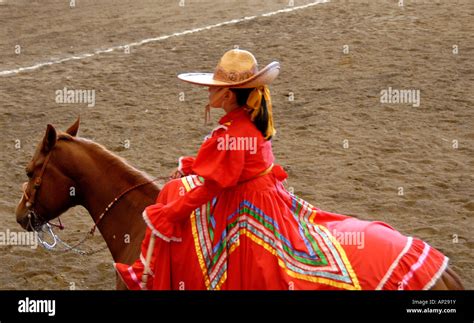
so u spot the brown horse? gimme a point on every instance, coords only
(96, 177)
(63, 161)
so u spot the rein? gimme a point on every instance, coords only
(30, 201)
(119, 197)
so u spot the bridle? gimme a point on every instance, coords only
(30, 202)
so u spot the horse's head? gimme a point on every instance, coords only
(47, 193)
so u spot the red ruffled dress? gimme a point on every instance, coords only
(229, 223)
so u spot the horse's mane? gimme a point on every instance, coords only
(110, 157)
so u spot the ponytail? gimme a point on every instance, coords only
(259, 102)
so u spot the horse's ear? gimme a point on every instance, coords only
(72, 130)
(50, 138)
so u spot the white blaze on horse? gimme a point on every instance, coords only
(114, 193)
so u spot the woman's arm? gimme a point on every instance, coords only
(221, 168)
(164, 220)
(185, 164)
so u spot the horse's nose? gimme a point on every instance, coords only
(25, 222)
(21, 221)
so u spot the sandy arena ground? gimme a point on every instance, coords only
(336, 102)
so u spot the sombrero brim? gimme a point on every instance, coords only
(265, 76)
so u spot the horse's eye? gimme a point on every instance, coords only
(29, 173)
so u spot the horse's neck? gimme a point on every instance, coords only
(104, 178)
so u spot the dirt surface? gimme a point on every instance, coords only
(345, 151)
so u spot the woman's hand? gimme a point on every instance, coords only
(176, 173)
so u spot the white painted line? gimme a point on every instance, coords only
(149, 40)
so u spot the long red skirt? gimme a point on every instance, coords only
(259, 236)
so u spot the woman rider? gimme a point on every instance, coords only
(226, 221)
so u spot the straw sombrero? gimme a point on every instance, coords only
(237, 69)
